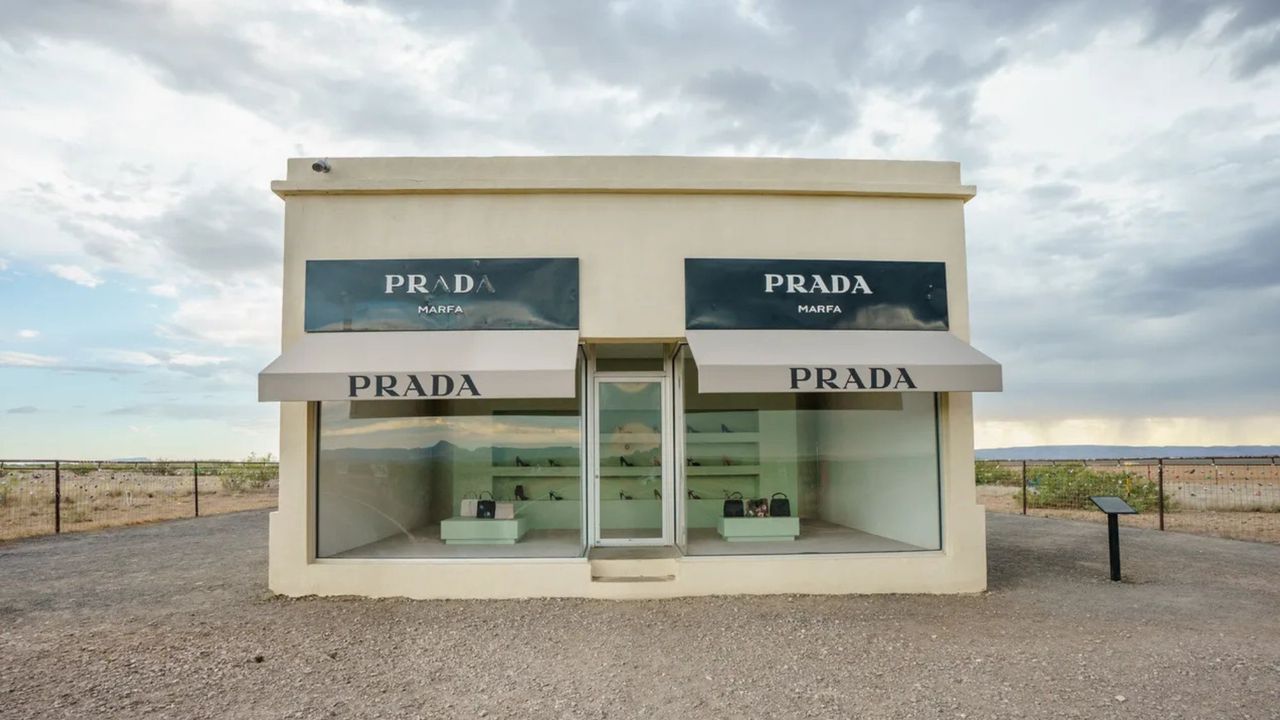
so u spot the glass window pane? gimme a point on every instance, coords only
(814, 473)
(409, 478)
(630, 459)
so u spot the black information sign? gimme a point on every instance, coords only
(452, 294)
(814, 295)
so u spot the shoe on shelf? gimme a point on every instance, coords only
(520, 493)
(657, 493)
(724, 428)
(727, 460)
(521, 463)
(694, 496)
(555, 495)
(624, 496)
(551, 462)
(624, 462)
(690, 429)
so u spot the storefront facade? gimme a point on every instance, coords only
(625, 377)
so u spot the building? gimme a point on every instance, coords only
(606, 354)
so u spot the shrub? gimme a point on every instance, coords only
(80, 469)
(1069, 487)
(162, 467)
(989, 472)
(255, 474)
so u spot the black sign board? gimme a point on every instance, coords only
(724, 294)
(1112, 505)
(451, 294)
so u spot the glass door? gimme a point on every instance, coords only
(633, 459)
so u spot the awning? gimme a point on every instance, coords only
(839, 361)
(435, 364)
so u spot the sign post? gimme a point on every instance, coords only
(1113, 507)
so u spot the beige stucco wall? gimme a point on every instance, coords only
(631, 221)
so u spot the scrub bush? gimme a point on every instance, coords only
(239, 478)
(1069, 487)
(989, 472)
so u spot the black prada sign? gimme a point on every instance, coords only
(444, 294)
(814, 295)
(851, 378)
(411, 386)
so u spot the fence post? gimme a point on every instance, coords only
(57, 496)
(1160, 490)
(1024, 487)
(195, 484)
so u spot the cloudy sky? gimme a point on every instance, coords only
(1124, 245)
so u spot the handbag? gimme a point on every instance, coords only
(467, 508)
(779, 506)
(486, 508)
(504, 511)
(733, 506)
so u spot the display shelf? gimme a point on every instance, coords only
(714, 470)
(743, 438)
(616, 438)
(536, 472)
(622, 471)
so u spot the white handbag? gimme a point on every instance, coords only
(468, 508)
(504, 511)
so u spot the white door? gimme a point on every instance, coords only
(632, 489)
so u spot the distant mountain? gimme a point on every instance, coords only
(1082, 452)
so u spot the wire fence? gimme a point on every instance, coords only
(41, 497)
(1231, 497)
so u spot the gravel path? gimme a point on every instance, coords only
(174, 620)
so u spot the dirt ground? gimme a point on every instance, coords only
(173, 620)
(1238, 525)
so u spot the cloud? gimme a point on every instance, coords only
(22, 410)
(30, 360)
(1120, 255)
(28, 334)
(76, 274)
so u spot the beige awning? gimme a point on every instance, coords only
(440, 364)
(839, 361)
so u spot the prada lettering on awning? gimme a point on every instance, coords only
(413, 365)
(732, 361)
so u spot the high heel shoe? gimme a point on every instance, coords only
(520, 493)
(724, 428)
(555, 495)
(657, 493)
(694, 463)
(727, 461)
(521, 463)
(624, 496)
(551, 462)
(624, 462)
(694, 496)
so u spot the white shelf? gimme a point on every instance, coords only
(721, 438)
(536, 472)
(713, 470)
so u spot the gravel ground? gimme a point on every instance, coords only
(174, 620)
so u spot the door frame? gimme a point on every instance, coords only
(666, 437)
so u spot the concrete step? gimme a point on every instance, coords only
(643, 569)
(637, 579)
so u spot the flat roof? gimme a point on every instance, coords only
(645, 175)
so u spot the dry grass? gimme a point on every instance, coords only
(1218, 510)
(96, 497)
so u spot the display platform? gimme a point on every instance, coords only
(482, 531)
(757, 529)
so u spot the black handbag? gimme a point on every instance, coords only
(779, 506)
(733, 505)
(486, 508)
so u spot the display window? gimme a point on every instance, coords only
(449, 479)
(792, 473)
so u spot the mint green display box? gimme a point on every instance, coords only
(754, 529)
(482, 531)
